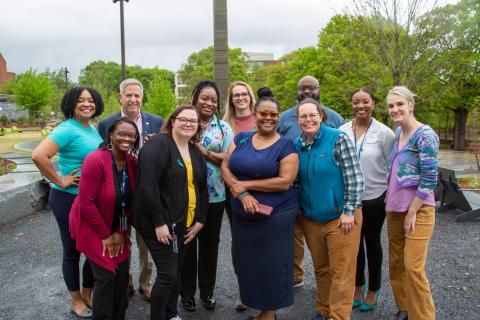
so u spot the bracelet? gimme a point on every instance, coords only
(63, 182)
(208, 153)
(243, 195)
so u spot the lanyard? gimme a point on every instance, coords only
(364, 137)
(122, 186)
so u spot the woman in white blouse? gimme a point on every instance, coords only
(373, 142)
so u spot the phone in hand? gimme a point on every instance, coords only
(264, 209)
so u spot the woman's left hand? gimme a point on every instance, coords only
(119, 240)
(346, 223)
(237, 188)
(192, 232)
(148, 137)
(409, 223)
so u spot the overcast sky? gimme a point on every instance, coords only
(66, 33)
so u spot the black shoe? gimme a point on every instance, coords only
(188, 304)
(209, 303)
(402, 315)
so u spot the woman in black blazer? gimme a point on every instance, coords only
(171, 202)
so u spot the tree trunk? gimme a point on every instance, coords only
(460, 129)
(220, 49)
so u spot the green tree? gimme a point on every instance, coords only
(57, 77)
(160, 99)
(101, 74)
(199, 66)
(282, 78)
(32, 91)
(108, 75)
(456, 83)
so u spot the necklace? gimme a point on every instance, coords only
(359, 150)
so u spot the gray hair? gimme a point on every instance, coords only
(130, 81)
(403, 92)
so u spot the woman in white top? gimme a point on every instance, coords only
(373, 141)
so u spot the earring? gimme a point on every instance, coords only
(110, 146)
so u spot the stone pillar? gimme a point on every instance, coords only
(220, 49)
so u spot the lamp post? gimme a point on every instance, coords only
(122, 35)
(66, 72)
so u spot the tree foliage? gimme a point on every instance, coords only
(199, 66)
(160, 98)
(32, 91)
(108, 75)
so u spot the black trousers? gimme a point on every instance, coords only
(110, 299)
(166, 288)
(373, 219)
(61, 202)
(208, 241)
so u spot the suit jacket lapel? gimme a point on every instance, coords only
(145, 123)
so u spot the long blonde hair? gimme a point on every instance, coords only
(230, 112)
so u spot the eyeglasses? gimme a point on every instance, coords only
(306, 116)
(309, 88)
(184, 121)
(272, 114)
(123, 134)
(240, 95)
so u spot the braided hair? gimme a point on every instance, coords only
(204, 84)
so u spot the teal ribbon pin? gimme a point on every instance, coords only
(180, 163)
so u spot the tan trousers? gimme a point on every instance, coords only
(145, 262)
(334, 257)
(407, 259)
(298, 251)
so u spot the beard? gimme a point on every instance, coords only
(314, 96)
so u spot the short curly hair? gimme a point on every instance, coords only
(69, 101)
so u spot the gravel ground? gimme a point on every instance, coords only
(32, 286)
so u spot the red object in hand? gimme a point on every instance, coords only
(264, 209)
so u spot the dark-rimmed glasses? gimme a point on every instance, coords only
(309, 88)
(184, 121)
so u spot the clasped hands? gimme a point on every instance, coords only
(113, 245)
(249, 203)
(164, 235)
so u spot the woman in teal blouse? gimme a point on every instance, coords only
(72, 140)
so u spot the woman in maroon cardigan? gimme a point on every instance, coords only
(99, 219)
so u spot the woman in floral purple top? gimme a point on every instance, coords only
(216, 135)
(410, 206)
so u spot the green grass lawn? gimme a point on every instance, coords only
(8, 141)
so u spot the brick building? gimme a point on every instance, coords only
(4, 74)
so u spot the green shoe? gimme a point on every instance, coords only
(369, 307)
(358, 303)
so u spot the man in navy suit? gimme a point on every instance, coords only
(131, 97)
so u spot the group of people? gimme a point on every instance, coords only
(303, 176)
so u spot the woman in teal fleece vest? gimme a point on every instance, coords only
(331, 189)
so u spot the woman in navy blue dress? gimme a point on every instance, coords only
(259, 169)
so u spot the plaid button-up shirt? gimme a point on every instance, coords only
(346, 157)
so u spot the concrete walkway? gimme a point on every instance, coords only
(32, 286)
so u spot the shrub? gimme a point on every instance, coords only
(4, 119)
